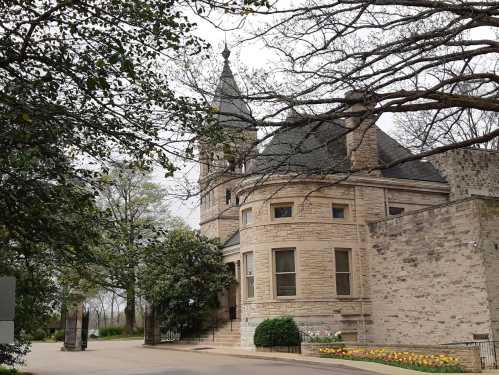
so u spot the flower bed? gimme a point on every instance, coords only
(413, 361)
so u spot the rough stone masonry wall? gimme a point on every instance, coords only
(489, 246)
(219, 219)
(470, 172)
(427, 276)
(469, 357)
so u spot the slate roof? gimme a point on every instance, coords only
(315, 149)
(227, 99)
(233, 240)
(312, 149)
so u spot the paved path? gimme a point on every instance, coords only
(130, 358)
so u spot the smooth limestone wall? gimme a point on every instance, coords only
(315, 234)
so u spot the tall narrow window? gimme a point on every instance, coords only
(247, 216)
(285, 275)
(343, 274)
(237, 201)
(227, 196)
(249, 273)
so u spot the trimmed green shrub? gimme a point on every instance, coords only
(277, 332)
(111, 331)
(39, 335)
(59, 335)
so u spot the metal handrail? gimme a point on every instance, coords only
(488, 355)
(306, 335)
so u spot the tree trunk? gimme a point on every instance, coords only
(112, 308)
(130, 310)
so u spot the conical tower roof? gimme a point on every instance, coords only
(228, 100)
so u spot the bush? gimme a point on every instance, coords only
(14, 354)
(277, 332)
(39, 335)
(111, 331)
(59, 335)
(325, 339)
(138, 331)
(5, 371)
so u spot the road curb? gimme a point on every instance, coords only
(377, 367)
(248, 356)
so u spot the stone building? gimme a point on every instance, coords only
(406, 254)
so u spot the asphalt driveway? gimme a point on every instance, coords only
(129, 358)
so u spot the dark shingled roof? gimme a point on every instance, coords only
(311, 149)
(321, 149)
(227, 99)
(233, 240)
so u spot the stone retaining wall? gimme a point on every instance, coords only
(469, 357)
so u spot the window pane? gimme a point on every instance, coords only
(250, 287)
(342, 261)
(285, 261)
(395, 210)
(286, 284)
(343, 284)
(249, 263)
(247, 216)
(339, 212)
(284, 211)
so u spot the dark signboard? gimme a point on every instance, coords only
(7, 309)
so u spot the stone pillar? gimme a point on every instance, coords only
(362, 142)
(73, 324)
(152, 332)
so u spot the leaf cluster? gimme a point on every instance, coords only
(182, 275)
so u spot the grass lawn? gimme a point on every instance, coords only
(119, 337)
(5, 371)
(105, 338)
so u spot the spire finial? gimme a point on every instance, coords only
(226, 52)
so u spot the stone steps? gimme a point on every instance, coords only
(224, 336)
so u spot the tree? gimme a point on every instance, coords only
(182, 275)
(92, 74)
(434, 60)
(78, 80)
(46, 237)
(138, 209)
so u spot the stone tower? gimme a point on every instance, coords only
(223, 164)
